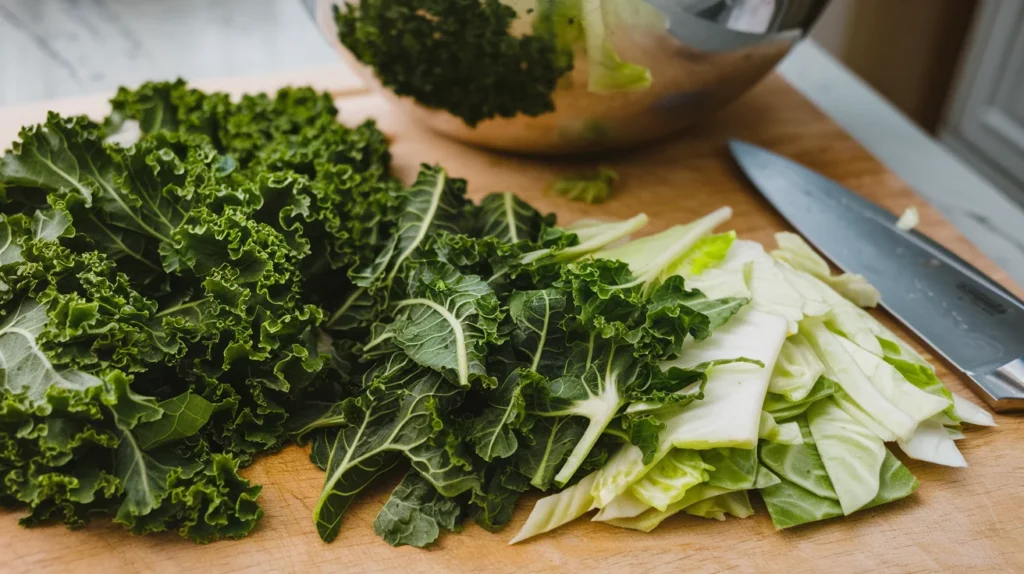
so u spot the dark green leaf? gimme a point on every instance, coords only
(63, 154)
(505, 217)
(643, 431)
(494, 504)
(415, 514)
(447, 322)
(493, 431)
(476, 42)
(550, 439)
(183, 416)
(399, 413)
(539, 337)
(435, 203)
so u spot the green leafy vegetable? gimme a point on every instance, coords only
(551, 439)
(590, 188)
(735, 504)
(796, 371)
(248, 273)
(782, 409)
(446, 322)
(607, 72)
(553, 511)
(798, 254)
(851, 453)
(431, 49)
(398, 413)
(415, 514)
(162, 300)
(183, 416)
(668, 481)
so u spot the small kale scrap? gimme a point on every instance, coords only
(593, 187)
(161, 302)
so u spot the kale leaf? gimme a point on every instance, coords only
(432, 50)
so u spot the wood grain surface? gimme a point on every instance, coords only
(959, 519)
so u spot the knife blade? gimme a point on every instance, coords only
(968, 318)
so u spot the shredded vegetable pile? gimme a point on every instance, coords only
(806, 431)
(248, 274)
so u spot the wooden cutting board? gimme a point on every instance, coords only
(959, 518)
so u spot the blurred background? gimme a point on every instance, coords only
(954, 67)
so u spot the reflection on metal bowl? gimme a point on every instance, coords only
(702, 55)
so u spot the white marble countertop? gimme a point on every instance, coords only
(62, 48)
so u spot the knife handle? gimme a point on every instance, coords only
(1003, 388)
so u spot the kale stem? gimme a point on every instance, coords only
(349, 301)
(182, 307)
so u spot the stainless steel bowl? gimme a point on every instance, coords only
(702, 55)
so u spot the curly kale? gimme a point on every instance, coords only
(456, 55)
(161, 303)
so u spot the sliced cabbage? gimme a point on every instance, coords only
(849, 320)
(772, 293)
(814, 304)
(921, 376)
(971, 413)
(555, 510)
(844, 369)
(624, 505)
(607, 72)
(718, 507)
(861, 416)
(803, 492)
(668, 481)
(650, 258)
(851, 453)
(782, 409)
(592, 238)
(765, 478)
(931, 442)
(748, 269)
(794, 251)
(707, 253)
(722, 282)
(917, 403)
(650, 519)
(796, 370)
(786, 433)
(623, 468)
(724, 479)
(735, 468)
(789, 505)
(799, 464)
(729, 415)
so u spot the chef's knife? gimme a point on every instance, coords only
(975, 323)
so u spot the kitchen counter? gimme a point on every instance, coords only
(63, 48)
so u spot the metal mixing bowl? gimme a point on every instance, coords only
(702, 54)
